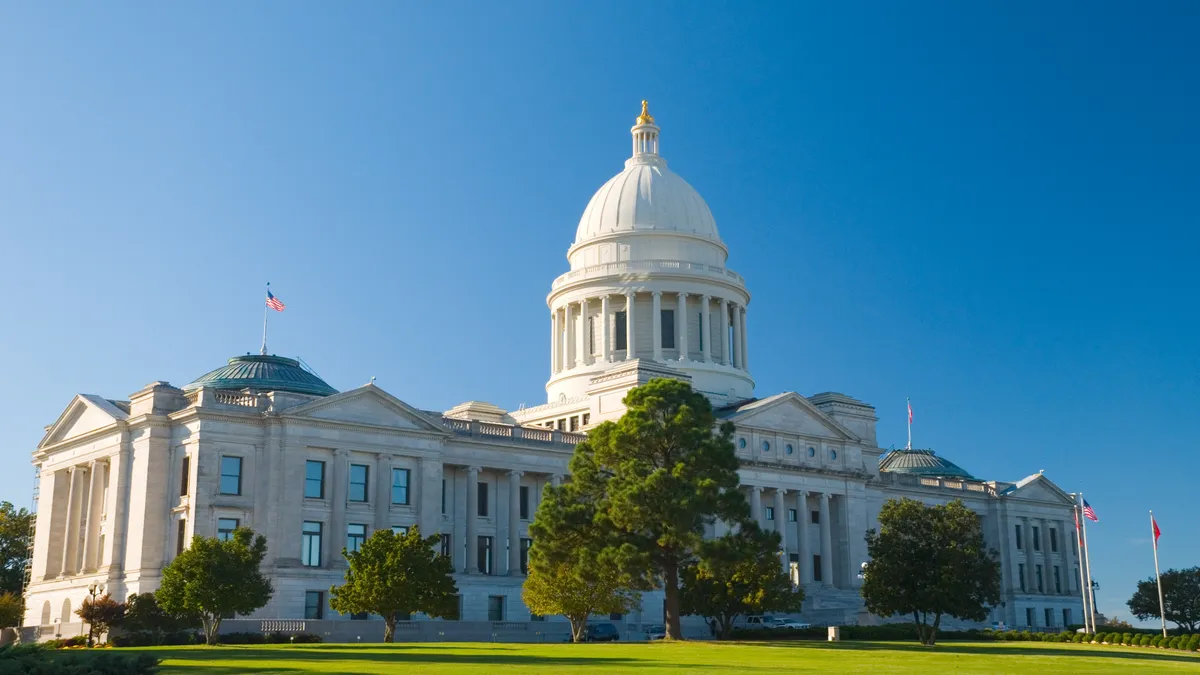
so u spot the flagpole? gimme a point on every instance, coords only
(909, 401)
(1162, 612)
(1087, 628)
(1087, 558)
(263, 351)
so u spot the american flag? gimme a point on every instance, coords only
(910, 412)
(274, 302)
(1089, 512)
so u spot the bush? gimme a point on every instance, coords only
(31, 659)
(1193, 643)
(152, 639)
(311, 638)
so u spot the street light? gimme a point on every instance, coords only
(93, 589)
(862, 572)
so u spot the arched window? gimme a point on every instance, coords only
(65, 617)
(45, 613)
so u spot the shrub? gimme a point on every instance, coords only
(1155, 641)
(151, 639)
(1078, 638)
(38, 659)
(1193, 643)
(1174, 643)
(310, 638)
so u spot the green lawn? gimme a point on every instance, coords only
(661, 658)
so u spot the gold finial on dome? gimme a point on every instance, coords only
(645, 117)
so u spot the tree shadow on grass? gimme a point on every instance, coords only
(977, 649)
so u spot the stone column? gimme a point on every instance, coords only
(584, 356)
(781, 527)
(605, 346)
(71, 533)
(95, 506)
(756, 504)
(656, 321)
(630, 352)
(737, 337)
(566, 337)
(1048, 564)
(1027, 549)
(514, 523)
(826, 542)
(805, 551)
(472, 541)
(383, 491)
(1064, 552)
(337, 535)
(705, 329)
(554, 342)
(742, 342)
(724, 332)
(682, 333)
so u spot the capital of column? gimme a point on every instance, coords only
(756, 488)
(515, 474)
(473, 470)
(657, 294)
(781, 491)
(341, 452)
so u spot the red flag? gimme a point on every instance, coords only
(1078, 534)
(1157, 531)
(910, 412)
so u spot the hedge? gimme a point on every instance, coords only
(36, 659)
(268, 638)
(907, 631)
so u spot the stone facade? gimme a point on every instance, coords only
(124, 485)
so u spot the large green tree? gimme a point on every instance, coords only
(738, 574)
(927, 562)
(1181, 598)
(14, 546)
(655, 478)
(577, 590)
(215, 578)
(395, 575)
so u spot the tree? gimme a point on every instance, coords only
(739, 573)
(929, 561)
(395, 575)
(14, 547)
(576, 591)
(12, 607)
(143, 615)
(1181, 598)
(656, 477)
(215, 579)
(101, 615)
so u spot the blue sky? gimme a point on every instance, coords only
(988, 207)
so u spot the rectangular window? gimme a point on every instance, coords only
(356, 534)
(587, 418)
(231, 475)
(225, 528)
(1075, 545)
(1029, 617)
(1053, 540)
(1037, 539)
(770, 511)
(400, 486)
(1021, 574)
(1057, 580)
(523, 496)
(526, 544)
(481, 491)
(620, 331)
(791, 515)
(700, 332)
(185, 476)
(314, 604)
(485, 555)
(310, 544)
(400, 530)
(667, 317)
(1037, 570)
(495, 608)
(443, 496)
(591, 335)
(816, 567)
(1049, 617)
(562, 424)
(1018, 537)
(575, 423)
(816, 517)
(180, 537)
(314, 479)
(1066, 617)
(359, 474)
(446, 550)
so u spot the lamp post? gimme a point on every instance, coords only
(93, 590)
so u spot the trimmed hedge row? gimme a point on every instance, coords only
(269, 638)
(1187, 643)
(32, 659)
(908, 631)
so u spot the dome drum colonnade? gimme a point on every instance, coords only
(648, 281)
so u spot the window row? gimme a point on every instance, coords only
(788, 449)
(1038, 577)
(1048, 615)
(1037, 539)
(358, 484)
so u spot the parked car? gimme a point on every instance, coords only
(658, 632)
(766, 621)
(602, 632)
(792, 623)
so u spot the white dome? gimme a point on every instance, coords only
(647, 197)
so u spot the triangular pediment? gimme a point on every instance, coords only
(85, 413)
(368, 405)
(789, 413)
(1038, 488)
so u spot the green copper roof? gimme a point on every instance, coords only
(922, 463)
(266, 373)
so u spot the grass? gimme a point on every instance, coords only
(657, 658)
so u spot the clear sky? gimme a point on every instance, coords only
(990, 208)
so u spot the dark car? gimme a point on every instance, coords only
(602, 632)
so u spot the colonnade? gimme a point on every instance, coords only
(798, 530)
(84, 509)
(1044, 556)
(579, 337)
(471, 525)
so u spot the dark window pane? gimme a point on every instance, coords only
(231, 475)
(225, 528)
(314, 479)
(667, 316)
(619, 331)
(524, 497)
(482, 492)
(400, 486)
(310, 544)
(314, 604)
(185, 477)
(356, 534)
(359, 474)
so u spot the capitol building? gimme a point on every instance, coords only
(261, 441)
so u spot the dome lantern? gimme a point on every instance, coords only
(645, 135)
